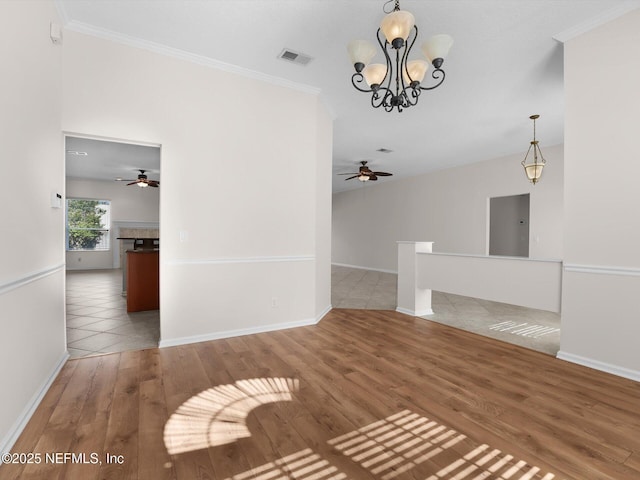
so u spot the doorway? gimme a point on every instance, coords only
(509, 226)
(105, 172)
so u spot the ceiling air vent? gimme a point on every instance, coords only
(294, 57)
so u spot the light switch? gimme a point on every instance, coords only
(56, 200)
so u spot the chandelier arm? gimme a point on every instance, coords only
(438, 74)
(411, 94)
(359, 78)
(405, 57)
(399, 80)
(381, 98)
(388, 60)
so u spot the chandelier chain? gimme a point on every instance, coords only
(395, 8)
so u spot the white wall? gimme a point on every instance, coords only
(448, 207)
(234, 151)
(324, 149)
(32, 338)
(601, 281)
(128, 204)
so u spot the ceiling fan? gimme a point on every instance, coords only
(365, 174)
(141, 181)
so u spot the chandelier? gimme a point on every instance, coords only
(533, 169)
(398, 83)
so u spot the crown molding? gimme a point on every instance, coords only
(596, 21)
(128, 40)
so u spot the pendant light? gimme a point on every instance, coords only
(533, 168)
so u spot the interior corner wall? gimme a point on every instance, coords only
(32, 342)
(128, 204)
(448, 207)
(237, 223)
(601, 279)
(324, 152)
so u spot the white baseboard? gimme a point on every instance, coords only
(395, 272)
(173, 342)
(16, 429)
(413, 313)
(323, 313)
(598, 365)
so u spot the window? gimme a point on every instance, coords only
(88, 223)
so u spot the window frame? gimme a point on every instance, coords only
(106, 229)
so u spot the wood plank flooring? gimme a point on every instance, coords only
(370, 395)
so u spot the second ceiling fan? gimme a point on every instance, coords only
(141, 181)
(365, 174)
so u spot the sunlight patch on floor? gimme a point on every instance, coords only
(401, 442)
(523, 329)
(217, 416)
(303, 465)
(396, 444)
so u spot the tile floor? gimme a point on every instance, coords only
(97, 318)
(535, 329)
(97, 321)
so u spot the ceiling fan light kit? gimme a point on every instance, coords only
(398, 83)
(365, 174)
(142, 181)
(533, 168)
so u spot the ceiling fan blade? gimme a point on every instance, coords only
(355, 176)
(352, 173)
(373, 178)
(132, 183)
(153, 184)
(383, 174)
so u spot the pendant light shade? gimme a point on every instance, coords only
(415, 72)
(533, 171)
(397, 25)
(361, 52)
(374, 74)
(437, 46)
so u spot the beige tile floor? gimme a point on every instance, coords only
(97, 318)
(535, 329)
(97, 321)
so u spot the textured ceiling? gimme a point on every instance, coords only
(504, 66)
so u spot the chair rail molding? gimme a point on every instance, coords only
(30, 278)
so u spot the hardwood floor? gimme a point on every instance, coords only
(362, 395)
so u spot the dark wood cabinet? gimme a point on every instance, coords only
(143, 280)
